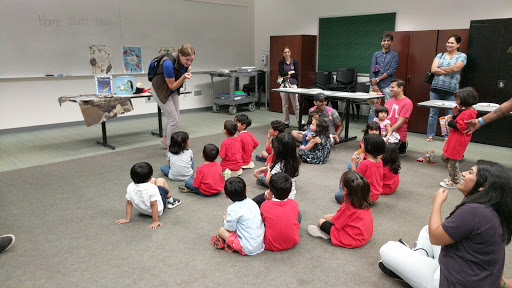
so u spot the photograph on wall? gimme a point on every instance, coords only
(165, 50)
(125, 85)
(132, 59)
(100, 59)
(103, 84)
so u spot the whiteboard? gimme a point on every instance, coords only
(53, 36)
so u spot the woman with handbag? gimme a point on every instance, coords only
(446, 68)
(289, 77)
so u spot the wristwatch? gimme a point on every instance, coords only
(377, 79)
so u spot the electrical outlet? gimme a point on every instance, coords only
(198, 93)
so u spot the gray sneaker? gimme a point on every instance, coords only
(315, 231)
(6, 241)
(175, 202)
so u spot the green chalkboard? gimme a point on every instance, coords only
(350, 41)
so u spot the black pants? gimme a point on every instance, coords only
(402, 147)
(326, 227)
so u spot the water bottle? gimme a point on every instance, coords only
(426, 158)
(432, 156)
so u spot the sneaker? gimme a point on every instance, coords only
(403, 243)
(315, 231)
(248, 166)
(260, 159)
(218, 242)
(449, 184)
(175, 202)
(239, 172)
(6, 241)
(184, 189)
(388, 272)
(286, 125)
(226, 174)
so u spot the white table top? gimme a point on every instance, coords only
(480, 107)
(328, 93)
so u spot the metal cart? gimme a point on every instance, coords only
(232, 101)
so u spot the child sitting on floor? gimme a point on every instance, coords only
(179, 157)
(371, 168)
(280, 216)
(285, 159)
(243, 229)
(230, 151)
(381, 115)
(318, 149)
(391, 168)
(308, 135)
(276, 127)
(247, 140)
(457, 142)
(352, 225)
(147, 195)
(208, 180)
(371, 128)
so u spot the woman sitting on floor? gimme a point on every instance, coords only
(468, 248)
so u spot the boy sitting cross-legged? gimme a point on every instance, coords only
(280, 214)
(243, 229)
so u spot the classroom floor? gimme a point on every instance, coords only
(49, 145)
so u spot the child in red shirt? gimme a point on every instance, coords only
(208, 180)
(276, 127)
(371, 128)
(352, 225)
(280, 215)
(230, 151)
(457, 142)
(247, 140)
(391, 168)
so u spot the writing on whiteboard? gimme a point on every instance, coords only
(97, 21)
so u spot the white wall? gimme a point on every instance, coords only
(291, 17)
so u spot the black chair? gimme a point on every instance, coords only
(346, 80)
(251, 86)
(323, 79)
(356, 106)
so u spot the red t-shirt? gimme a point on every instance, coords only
(457, 142)
(281, 224)
(209, 178)
(268, 148)
(390, 181)
(231, 154)
(399, 108)
(249, 143)
(372, 171)
(352, 227)
(269, 162)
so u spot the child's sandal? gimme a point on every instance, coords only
(430, 139)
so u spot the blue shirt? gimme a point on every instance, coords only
(449, 82)
(244, 218)
(387, 62)
(169, 71)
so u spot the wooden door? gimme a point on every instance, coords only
(422, 50)
(401, 46)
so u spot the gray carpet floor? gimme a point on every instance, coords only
(63, 216)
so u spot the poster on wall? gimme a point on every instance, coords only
(132, 59)
(165, 50)
(100, 59)
(103, 84)
(125, 85)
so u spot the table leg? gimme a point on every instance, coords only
(104, 136)
(301, 106)
(347, 122)
(160, 128)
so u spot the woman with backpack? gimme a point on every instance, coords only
(171, 73)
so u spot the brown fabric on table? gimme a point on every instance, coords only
(97, 109)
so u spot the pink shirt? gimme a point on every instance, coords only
(397, 109)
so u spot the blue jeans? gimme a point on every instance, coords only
(188, 184)
(387, 96)
(338, 196)
(434, 113)
(166, 168)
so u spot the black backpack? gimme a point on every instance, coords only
(155, 63)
